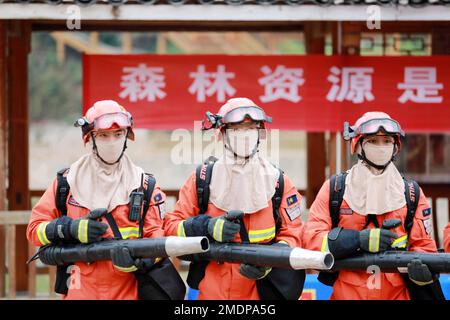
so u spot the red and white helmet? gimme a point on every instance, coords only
(373, 123)
(237, 110)
(105, 114)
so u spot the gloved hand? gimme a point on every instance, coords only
(122, 259)
(419, 273)
(87, 231)
(253, 272)
(376, 240)
(144, 265)
(222, 229)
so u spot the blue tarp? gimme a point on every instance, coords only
(315, 290)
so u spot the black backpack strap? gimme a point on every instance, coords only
(148, 191)
(113, 225)
(202, 180)
(337, 189)
(62, 191)
(276, 201)
(412, 196)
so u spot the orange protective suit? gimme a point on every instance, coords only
(447, 238)
(223, 281)
(99, 280)
(354, 285)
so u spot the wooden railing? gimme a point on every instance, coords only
(9, 220)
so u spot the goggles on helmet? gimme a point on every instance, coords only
(373, 126)
(237, 115)
(105, 122)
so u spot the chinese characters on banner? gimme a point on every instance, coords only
(313, 93)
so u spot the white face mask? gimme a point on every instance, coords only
(242, 142)
(380, 155)
(110, 151)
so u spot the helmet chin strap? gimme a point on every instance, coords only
(363, 157)
(254, 151)
(94, 147)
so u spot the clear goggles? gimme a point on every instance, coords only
(373, 126)
(105, 122)
(239, 114)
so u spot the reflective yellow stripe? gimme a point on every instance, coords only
(420, 283)
(324, 247)
(180, 231)
(261, 235)
(41, 233)
(82, 231)
(129, 232)
(401, 242)
(218, 227)
(374, 240)
(123, 269)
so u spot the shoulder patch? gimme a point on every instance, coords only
(162, 210)
(292, 200)
(294, 212)
(157, 197)
(428, 225)
(426, 212)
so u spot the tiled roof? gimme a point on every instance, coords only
(240, 2)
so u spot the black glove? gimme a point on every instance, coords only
(253, 272)
(222, 229)
(57, 230)
(376, 240)
(419, 273)
(87, 231)
(122, 259)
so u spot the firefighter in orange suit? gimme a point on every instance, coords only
(103, 178)
(243, 180)
(372, 191)
(447, 238)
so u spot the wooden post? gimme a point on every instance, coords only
(93, 40)
(19, 38)
(316, 157)
(12, 270)
(60, 50)
(346, 41)
(31, 273)
(52, 279)
(127, 42)
(161, 43)
(3, 92)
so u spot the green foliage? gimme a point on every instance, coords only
(54, 88)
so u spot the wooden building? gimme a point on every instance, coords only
(348, 23)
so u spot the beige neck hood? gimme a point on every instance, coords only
(97, 185)
(366, 193)
(237, 184)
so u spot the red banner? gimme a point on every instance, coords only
(313, 93)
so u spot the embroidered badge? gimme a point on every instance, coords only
(426, 212)
(293, 212)
(292, 200)
(157, 197)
